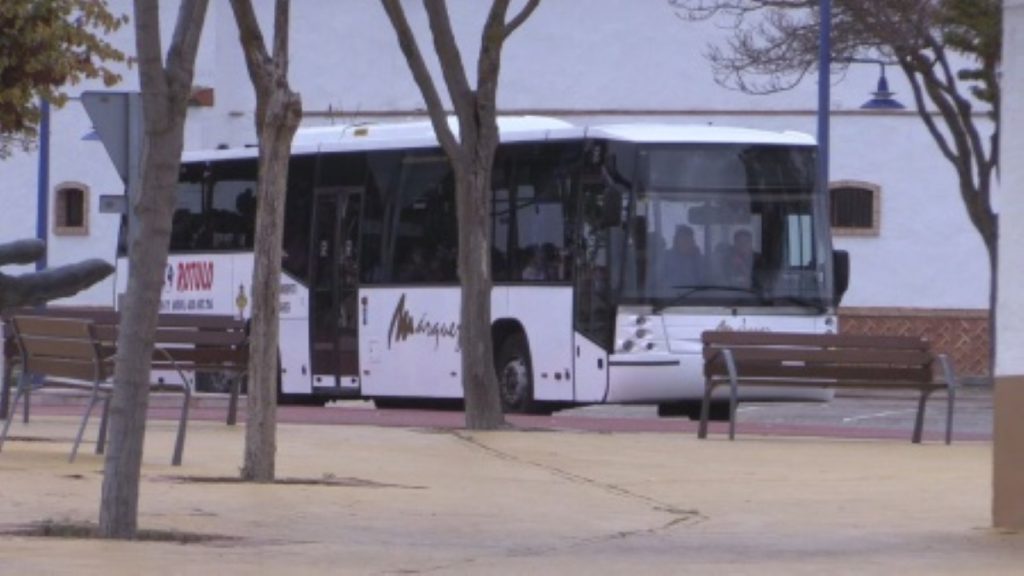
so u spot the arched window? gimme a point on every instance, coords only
(71, 209)
(854, 208)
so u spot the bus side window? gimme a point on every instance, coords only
(534, 212)
(298, 215)
(188, 213)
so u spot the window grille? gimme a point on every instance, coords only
(854, 208)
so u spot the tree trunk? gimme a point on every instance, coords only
(164, 97)
(147, 261)
(479, 383)
(472, 158)
(278, 112)
(283, 112)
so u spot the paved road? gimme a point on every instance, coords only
(852, 415)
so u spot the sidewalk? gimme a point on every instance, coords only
(419, 501)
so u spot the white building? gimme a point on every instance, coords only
(919, 266)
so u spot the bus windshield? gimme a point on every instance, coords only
(725, 225)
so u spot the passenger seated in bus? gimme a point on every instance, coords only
(536, 269)
(741, 263)
(684, 263)
(414, 268)
(544, 264)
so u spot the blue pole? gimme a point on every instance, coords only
(824, 87)
(42, 203)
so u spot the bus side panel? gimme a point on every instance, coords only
(199, 284)
(294, 346)
(409, 342)
(293, 340)
(654, 377)
(546, 315)
(591, 371)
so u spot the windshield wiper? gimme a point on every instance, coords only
(690, 290)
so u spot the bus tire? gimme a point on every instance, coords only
(515, 374)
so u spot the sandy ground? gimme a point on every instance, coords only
(427, 501)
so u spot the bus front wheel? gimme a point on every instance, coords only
(515, 374)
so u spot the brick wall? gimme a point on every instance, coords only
(962, 334)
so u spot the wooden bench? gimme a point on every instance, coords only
(824, 361)
(184, 344)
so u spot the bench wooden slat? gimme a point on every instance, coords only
(199, 338)
(831, 383)
(68, 328)
(722, 338)
(66, 368)
(61, 348)
(902, 357)
(896, 376)
(231, 358)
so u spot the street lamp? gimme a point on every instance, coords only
(882, 98)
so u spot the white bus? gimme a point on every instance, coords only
(614, 247)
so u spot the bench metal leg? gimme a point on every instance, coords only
(26, 403)
(919, 421)
(5, 390)
(179, 443)
(705, 410)
(93, 400)
(22, 383)
(101, 438)
(951, 385)
(236, 385)
(730, 365)
(950, 401)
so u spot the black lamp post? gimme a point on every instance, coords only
(824, 62)
(882, 98)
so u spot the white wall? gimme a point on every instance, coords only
(1010, 310)
(598, 59)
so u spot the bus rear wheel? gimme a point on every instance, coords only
(515, 374)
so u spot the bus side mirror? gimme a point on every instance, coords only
(841, 269)
(611, 203)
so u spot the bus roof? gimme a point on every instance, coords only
(696, 134)
(420, 134)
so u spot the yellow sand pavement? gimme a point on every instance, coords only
(415, 501)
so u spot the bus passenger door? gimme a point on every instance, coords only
(335, 282)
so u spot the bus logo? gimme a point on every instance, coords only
(195, 276)
(404, 325)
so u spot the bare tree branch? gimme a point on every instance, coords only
(421, 75)
(185, 41)
(492, 42)
(282, 27)
(252, 42)
(523, 15)
(452, 69)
